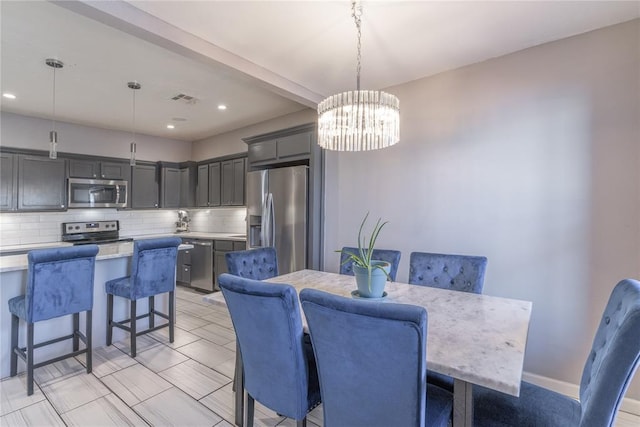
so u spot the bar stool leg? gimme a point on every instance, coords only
(76, 331)
(172, 315)
(88, 333)
(29, 359)
(133, 328)
(151, 311)
(15, 321)
(109, 318)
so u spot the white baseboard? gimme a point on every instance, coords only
(631, 406)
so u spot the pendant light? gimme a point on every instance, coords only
(134, 86)
(53, 135)
(358, 120)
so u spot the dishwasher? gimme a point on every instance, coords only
(201, 264)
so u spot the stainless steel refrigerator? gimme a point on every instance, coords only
(277, 203)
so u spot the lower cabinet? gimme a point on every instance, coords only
(183, 269)
(219, 261)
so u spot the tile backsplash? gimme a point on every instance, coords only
(45, 227)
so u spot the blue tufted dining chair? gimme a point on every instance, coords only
(256, 264)
(278, 370)
(153, 272)
(372, 363)
(388, 255)
(612, 361)
(59, 283)
(453, 272)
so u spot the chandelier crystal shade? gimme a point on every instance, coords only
(358, 120)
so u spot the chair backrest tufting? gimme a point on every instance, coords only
(614, 356)
(59, 281)
(153, 266)
(268, 326)
(389, 255)
(256, 264)
(454, 272)
(371, 360)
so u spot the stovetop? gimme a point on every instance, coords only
(82, 233)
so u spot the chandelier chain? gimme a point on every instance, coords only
(356, 13)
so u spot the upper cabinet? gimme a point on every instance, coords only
(233, 173)
(170, 187)
(291, 145)
(41, 183)
(96, 169)
(8, 181)
(144, 187)
(208, 189)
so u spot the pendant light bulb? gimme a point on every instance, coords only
(134, 86)
(53, 135)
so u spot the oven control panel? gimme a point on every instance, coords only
(89, 227)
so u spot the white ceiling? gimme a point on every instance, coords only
(262, 59)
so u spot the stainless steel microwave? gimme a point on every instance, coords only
(97, 193)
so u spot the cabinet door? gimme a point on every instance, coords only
(239, 171)
(41, 183)
(214, 184)
(8, 181)
(145, 187)
(202, 188)
(294, 145)
(227, 182)
(84, 168)
(115, 171)
(262, 152)
(219, 266)
(170, 187)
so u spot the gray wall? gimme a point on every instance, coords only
(30, 132)
(531, 159)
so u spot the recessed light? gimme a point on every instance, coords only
(171, 126)
(222, 107)
(9, 95)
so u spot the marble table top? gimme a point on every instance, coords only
(475, 338)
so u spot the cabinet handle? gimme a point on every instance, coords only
(62, 206)
(103, 175)
(155, 204)
(94, 175)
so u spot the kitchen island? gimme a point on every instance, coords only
(113, 261)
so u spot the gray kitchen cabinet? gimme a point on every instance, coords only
(170, 187)
(183, 270)
(41, 183)
(95, 169)
(188, 177)
(8, 182)
(208, 189)
(145, 187)
(221, 247)
(289, 145)
(233, 173)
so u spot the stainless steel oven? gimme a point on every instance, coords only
(97, 193)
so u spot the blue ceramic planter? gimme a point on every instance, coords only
(371, 286)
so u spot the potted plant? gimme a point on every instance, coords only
(371, 274)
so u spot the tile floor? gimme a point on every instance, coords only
(184, 383)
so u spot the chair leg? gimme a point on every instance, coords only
(29, 359)
(250, 410)
(76, 330)
(88, 332)
(302, 422)
(109, 318)
(15, 322)
(172, 315)
(133, 328)
(152, 316)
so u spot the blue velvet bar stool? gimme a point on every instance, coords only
(388, 255)
(372, 360)
(454, 272)
(153, 272)
(607, 373)
(59, 283)
(279, 370)
(256, 264)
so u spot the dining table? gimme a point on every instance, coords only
(475, 339)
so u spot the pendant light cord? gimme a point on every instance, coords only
(356, 13)
(134, 116)
(53, 120)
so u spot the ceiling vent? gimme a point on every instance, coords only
(187, 99)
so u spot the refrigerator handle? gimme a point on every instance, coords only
(272, 220)
(264, 221)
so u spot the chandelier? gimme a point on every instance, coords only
(358, 120)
